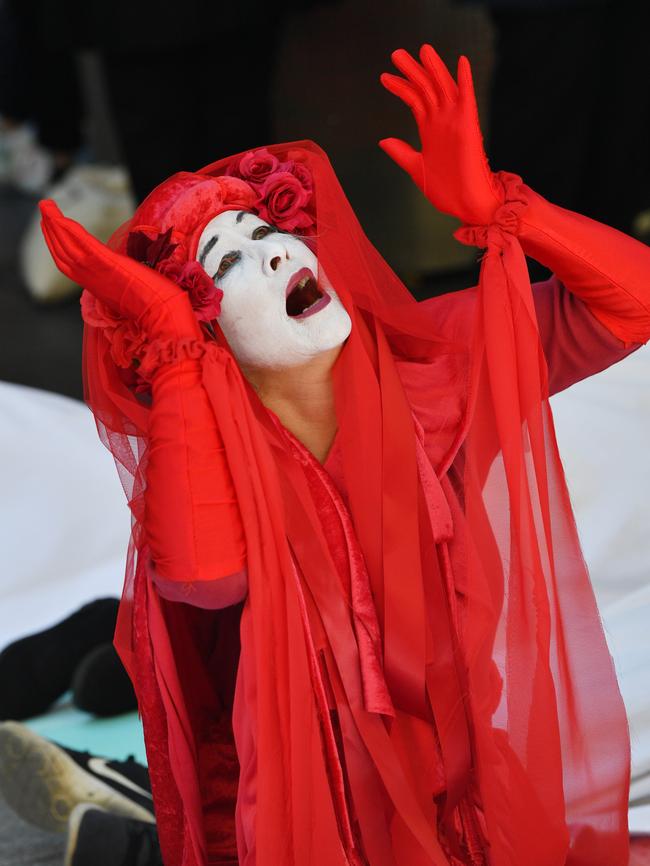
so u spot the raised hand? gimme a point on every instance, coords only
(129, 289)
(451, 169)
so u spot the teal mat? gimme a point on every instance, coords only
(116, 737)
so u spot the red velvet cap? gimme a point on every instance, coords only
(186, 202)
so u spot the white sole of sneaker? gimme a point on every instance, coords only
(42, 784)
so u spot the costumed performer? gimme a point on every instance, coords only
(356, 613)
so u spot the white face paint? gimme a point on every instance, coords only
(277, 309)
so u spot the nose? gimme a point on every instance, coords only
(274, 256)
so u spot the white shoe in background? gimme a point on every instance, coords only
(24, 164)
(100, 198)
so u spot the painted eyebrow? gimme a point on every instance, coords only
(240, 216)
(206, 249)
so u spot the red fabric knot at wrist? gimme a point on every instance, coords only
(159, 352)
(506, 219)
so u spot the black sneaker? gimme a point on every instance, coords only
(43, 782)
(36, 670)
(98, 838)
(101, 685)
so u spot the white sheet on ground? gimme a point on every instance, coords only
(63, 515)
(602, 426)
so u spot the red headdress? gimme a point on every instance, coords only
(473, 732)
(185, 203)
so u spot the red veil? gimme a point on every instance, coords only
(489, 642)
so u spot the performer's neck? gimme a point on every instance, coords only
(302, 397)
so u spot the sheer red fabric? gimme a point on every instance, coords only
(438, 690)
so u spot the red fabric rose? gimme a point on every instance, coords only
(205, 297)
(126, 341)
(96, 314)
(172, 269)
(283, 203)
(303, 174)
(256, 166)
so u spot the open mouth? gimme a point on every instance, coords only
(304, 296)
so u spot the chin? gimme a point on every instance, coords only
(328, 328)
(326, 331)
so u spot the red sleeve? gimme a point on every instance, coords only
(192, 520)
(608, 270)
(576, 344)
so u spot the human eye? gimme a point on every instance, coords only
(261, 232)
(226, 262)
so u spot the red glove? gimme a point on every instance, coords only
(128, 288)
(192, 520)
(452, 169)
(606, 269)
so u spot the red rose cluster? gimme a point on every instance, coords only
(158, 253)
(205, 297)
(285, 189)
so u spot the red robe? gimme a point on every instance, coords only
(423, 676)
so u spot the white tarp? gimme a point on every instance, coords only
(603, 430)
(64, 523)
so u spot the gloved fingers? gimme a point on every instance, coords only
(416, 74)
(50, 210)
(50, 213)
(60, 251)
(436, 68)
(108, 275)
(466, 93)
(69, 234)
(76, 249)
(130, 289)
(409, 159)
(68, 241)
(403, 90)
